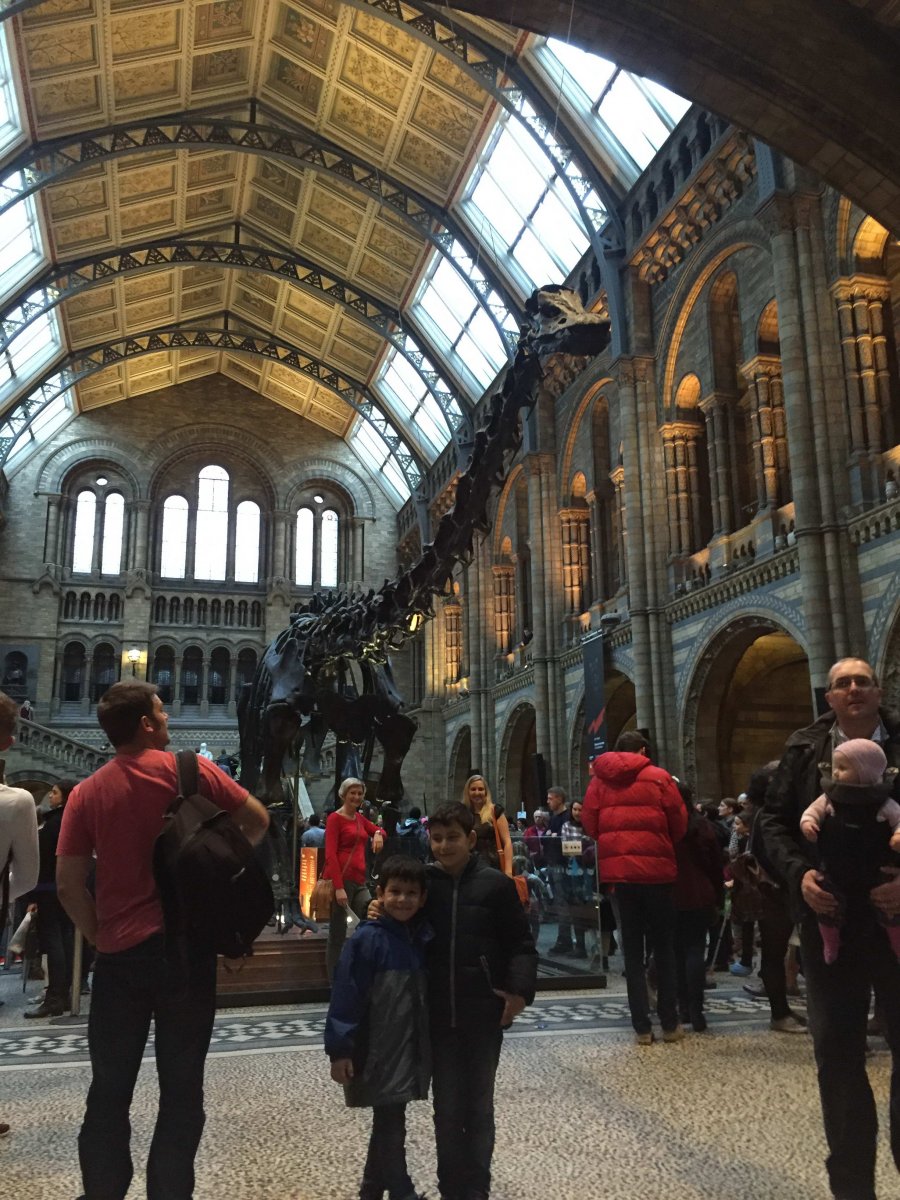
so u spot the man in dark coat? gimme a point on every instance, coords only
(839, 993)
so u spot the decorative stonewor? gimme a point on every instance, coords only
(576, 556)
(620, 525)
(860, 304)
(452, 639)
(686, 526)
(770, 453)
(504, 606)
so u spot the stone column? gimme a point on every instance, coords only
(763, 374)
(52, 555)
(620, 523)
(279, 567)
(780, 217)
(715, 409)
(682, 486)
(576, 550)
(539, 522)
(357, 549)
(504, 607)
(860, 305)
(203, 683)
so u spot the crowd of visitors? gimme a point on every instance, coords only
(799, 874)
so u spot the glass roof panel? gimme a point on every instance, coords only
(632, 118)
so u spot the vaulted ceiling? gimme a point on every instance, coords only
(315, 69)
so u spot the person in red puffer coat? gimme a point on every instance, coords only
(634, 812)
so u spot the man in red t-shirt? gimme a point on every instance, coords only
(115, 817)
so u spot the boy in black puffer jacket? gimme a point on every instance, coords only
(482, 966)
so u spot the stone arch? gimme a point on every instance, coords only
(621, 714)
(573, 433)
(749, 690)
(459, 762)
(215, 442)
(884, 640)
(722, 245)
(768, 339)
(74, 456)
(509, 490)
(338, 474)
(516, 782)
(868, 247)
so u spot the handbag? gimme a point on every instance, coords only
(521, 883)
(755, 895)
(322, 900)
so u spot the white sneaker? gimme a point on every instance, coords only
(788, 1024)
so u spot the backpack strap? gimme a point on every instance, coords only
(188, 773)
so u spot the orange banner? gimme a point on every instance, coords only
(309, 873)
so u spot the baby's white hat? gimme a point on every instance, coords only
(866, 756)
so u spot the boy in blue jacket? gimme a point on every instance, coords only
(376, 1032)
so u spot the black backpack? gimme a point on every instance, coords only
(215, 894)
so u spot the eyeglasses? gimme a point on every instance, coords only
(843, 683)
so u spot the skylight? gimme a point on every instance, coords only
(374, 451)
(412, 402)
(634, 115)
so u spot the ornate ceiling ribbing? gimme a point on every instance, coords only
(64, 281)
(48, 162)
(80, 365)
(364, 121)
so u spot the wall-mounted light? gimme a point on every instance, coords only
(134, 657)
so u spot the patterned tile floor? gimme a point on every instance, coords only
(582, 1112)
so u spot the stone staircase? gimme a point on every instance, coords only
(43, 753)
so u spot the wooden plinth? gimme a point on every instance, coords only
(282, 970)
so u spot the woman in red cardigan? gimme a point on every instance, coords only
(346, 833)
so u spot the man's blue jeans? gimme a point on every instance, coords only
(131, 988)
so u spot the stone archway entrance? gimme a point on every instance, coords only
(517, 773)
(749, 693)
(460, 764)
(621, 714)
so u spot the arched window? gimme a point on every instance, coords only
(246, 543)
(174, 538)
(84, 607)
(99, 607)
(104, 672)
(329, 555)
(114, 610)
(72, 674)
(246, 669)
(164, 673)
(113, 528)
(211, 541)
(85, 518)
(159, 614)
(70, 606)
(217, 686)
(191, 676)
(304, 552)
(317, 547)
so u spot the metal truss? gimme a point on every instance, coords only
(63, 281)
(45, 163)
(504, 79)
(81, 364)
(9, 8)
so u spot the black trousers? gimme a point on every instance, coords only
(56, 935)
(690, 945)
(464, 1064)
(774, 935)
(647, 910)
(131, 989)
(386, 1160)
(838, 1004)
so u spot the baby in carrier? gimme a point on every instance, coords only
(856, 824)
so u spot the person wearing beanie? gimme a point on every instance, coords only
(855, 798)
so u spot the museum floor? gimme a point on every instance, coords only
(582, 1112)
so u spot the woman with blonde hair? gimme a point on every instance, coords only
(493, 844)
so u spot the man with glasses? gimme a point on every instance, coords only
(839, 994)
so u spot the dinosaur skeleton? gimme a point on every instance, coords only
(330, 669)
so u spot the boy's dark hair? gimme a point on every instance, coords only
(415, 813)
(404, 868)
(121, 708)
(453, 813)
(632, 742)
(313, 820)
